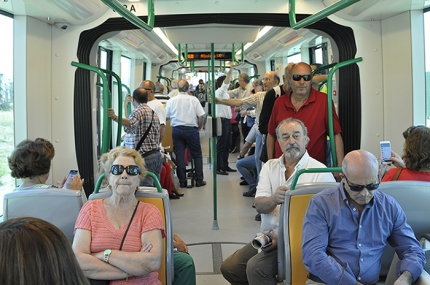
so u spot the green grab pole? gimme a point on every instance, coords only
(120, 100)
(215, 162)
(328, 66)
(254, 76)
(99, 183)
(311, 170)
(243, 53)
(120, 9)
(152, 175)
(329, 103)
(207, 98)
(106, 100)
(333, 8)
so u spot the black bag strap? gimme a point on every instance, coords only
(126, 231)
(139, 144)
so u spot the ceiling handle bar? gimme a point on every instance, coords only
(120, 101)
(106, 98)
(311, 170)
(117, 7)
(333, 8)
(330, 104)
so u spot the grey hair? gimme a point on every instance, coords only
(291, 120)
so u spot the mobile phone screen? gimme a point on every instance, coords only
(385, 151)
(71, 174)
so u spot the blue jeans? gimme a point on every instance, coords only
(246, 167)
(187, 137)
(153, 164)
(223, 145)
(258, 149)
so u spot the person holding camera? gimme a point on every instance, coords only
(249, 265)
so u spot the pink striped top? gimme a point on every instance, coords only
(93, 217)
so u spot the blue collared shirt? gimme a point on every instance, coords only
(340, 247)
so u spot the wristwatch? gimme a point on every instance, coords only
(107, 255)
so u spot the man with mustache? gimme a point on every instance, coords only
(309, 106)
(247, 265)
(346, 228)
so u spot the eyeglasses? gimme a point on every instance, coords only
(358, 188)
(298, 77)
(132, 170)
(410, 130)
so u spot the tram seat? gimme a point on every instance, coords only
(412, 196)
(290, 265)
(162, 202)
(57, 206)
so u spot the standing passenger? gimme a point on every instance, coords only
(309, 106)
(186, 117)
(155, 104)
(175, 90)
(224, 112)
(136, 126)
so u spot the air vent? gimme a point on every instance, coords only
(255, 55)
(289, 38)
(133, 40)
(161, 56)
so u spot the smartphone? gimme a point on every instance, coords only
(385, 152)
(71, 174)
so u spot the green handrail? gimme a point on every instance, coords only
(323, 67)
(330, 100)
(185, 61)
(117, 7)
(254, 76)
(107, 127)
(321, 85)
(233, 54)
(148, 173)
(333, 8)
(165, 78)
(129, 93)
(118, 79)
(311, 170)
(213, 139)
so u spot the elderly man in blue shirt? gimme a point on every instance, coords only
(346, 228)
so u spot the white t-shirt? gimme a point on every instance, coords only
(159, 109)
(223, 111)
(272, 175)
(183, 110)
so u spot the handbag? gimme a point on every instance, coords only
(106, 282)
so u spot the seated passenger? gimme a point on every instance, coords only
(346, 228)
(33, 251)
(416, 156)
(31, 161)
(185, 271)
(120, 238)
(247, 265)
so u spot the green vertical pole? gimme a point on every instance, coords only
(213, 138)
(210, 140)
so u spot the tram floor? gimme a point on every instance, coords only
(194, 218)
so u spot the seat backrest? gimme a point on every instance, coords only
(413, 197)
(57, 206)
(161, 201)
(290, 264)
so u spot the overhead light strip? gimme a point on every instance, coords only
(163, 37)
(261, 33)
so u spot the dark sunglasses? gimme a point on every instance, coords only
(298, 77)
(410, 130)
(358, 188)
(132, 170)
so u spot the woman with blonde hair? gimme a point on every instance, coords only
(119, 238)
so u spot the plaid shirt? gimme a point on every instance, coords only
(140, 119)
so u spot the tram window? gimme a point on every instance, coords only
(319, 54)
(295, 58)
(7, 183)
(125, 70)
(427, 64)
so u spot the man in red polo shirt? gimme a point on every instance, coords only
(309, 106)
